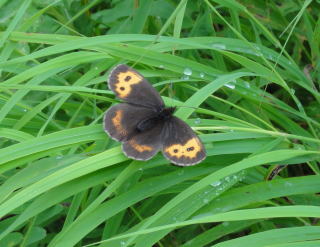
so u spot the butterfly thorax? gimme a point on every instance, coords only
(163, 115)
(166, 113)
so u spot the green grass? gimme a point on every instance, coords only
(254, 88)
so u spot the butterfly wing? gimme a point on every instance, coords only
(180, 144)
(121, 120)
(130, 86)
(144, 145)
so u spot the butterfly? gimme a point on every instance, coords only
(144, 125)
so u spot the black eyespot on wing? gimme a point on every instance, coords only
(128, 78)
(190, 149)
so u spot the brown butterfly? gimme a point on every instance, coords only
(144, 125)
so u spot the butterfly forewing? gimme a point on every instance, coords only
(180, 144)
(130, 86)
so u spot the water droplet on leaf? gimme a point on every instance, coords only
(197, 121)
(229, 85)
(187, 71)
(216, 183)
(218, 46)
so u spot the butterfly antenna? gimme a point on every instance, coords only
(171, 92)
(196, 108)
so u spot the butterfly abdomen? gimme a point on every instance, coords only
(147, 124)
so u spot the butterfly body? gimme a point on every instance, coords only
(163, 115)
(144, 125)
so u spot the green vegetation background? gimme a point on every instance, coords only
(251, 68)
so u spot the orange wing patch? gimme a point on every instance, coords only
(140, 148)
(124, 83)
(189, 150)
(116, 120)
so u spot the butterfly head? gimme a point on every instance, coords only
(166, 113)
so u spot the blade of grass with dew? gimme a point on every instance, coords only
(95, 217)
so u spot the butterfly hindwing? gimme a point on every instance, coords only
(120, 120)
(180, 144)
(130, 86)
(144, 145)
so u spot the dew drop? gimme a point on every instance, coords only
(220, 188)
(288, 184)
(25, 110)
(59, 157)
(96, 68)
(201, 75)
(247, 84)
(218, 46)
(161, 66)
(187, 71)
(24, 50)
(229, 85)
(197, 121)
(292, 91)
(180, 173)
(205, 201)
(185, 77)
(216, 183)
(122, 243)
